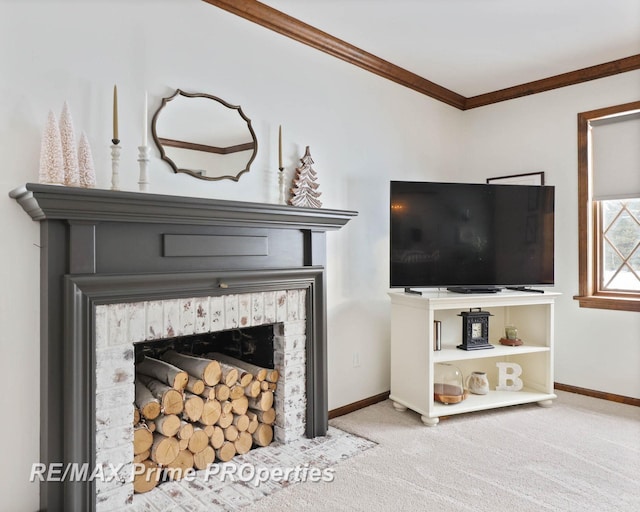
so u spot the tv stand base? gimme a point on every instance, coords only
(465, 289)
(524, 289)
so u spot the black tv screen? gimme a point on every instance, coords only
(471, 235)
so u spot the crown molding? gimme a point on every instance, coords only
(293, 28)
(555, 82)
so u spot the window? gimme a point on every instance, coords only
(620, 245)
(609, 207)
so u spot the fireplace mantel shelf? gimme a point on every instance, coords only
(49, 202)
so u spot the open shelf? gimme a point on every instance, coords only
(491, 400)
(413, 357)
(448, 354)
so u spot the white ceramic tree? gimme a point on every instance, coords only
(86, 170)
(69, 150)
(51, 159)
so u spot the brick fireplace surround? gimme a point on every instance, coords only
(160, 258)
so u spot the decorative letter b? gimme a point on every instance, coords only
(504, 376)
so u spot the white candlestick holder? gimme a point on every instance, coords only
(281, 187)
(143, 161)
(115, 165)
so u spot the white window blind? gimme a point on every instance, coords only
(615, 147)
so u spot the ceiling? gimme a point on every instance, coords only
(474, 47)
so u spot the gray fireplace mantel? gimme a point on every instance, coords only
(103, 246)
(70, 203)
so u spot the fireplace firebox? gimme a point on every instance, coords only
(101, 248)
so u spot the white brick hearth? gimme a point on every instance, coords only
(119, 326)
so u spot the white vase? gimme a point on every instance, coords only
(477, 383)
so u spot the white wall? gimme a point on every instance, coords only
(362, 131)
(595, 349)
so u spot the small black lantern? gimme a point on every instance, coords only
(475, 329)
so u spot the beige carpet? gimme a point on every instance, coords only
(581, 455)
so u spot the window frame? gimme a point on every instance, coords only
(589, 248)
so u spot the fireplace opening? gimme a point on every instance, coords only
(253, 345)
(202, 399)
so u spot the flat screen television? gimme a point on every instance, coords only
(471, 237)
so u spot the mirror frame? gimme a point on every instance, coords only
(195, 174)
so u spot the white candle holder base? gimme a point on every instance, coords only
(143, 162)
(282, 199)
(115, 166)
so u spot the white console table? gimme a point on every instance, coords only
(413, 355)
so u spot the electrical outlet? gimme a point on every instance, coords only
(356, 360)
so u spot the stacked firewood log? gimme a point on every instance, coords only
(191, 411)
